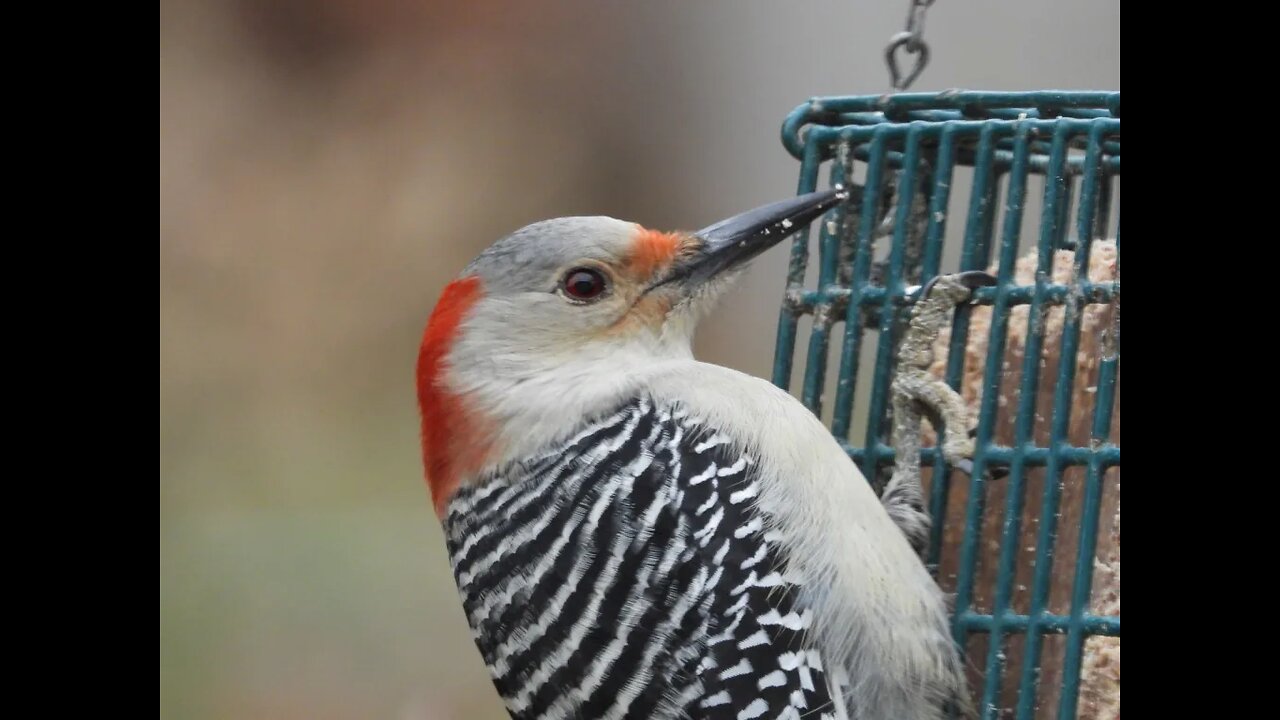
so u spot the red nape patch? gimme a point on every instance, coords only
(653, 249)
(453, 441)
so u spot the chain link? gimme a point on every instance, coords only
(909, 41)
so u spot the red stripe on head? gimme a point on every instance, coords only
(454, 440)
(653, 249)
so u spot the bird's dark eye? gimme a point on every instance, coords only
(583, 283)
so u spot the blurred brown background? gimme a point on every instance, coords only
(327, 166)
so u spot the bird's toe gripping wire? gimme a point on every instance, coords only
(917, 393)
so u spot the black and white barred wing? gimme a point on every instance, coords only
(629, 573)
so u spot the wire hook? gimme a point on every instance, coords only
(911, 41)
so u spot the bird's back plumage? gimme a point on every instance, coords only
(629, 571)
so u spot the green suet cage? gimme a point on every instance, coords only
(1025, 186)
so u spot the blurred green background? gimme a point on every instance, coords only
(326, 166)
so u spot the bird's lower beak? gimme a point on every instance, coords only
(732, 242)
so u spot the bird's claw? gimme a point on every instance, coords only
(970, 279)
(974, 279)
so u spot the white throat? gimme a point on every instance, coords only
(537, 398)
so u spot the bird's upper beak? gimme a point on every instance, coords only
(732, 242)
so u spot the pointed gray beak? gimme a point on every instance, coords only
(732, 242)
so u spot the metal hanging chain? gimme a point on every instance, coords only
(910, 41)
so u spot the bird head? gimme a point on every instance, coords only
(557, 320)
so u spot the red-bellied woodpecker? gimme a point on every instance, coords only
(638, 534)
